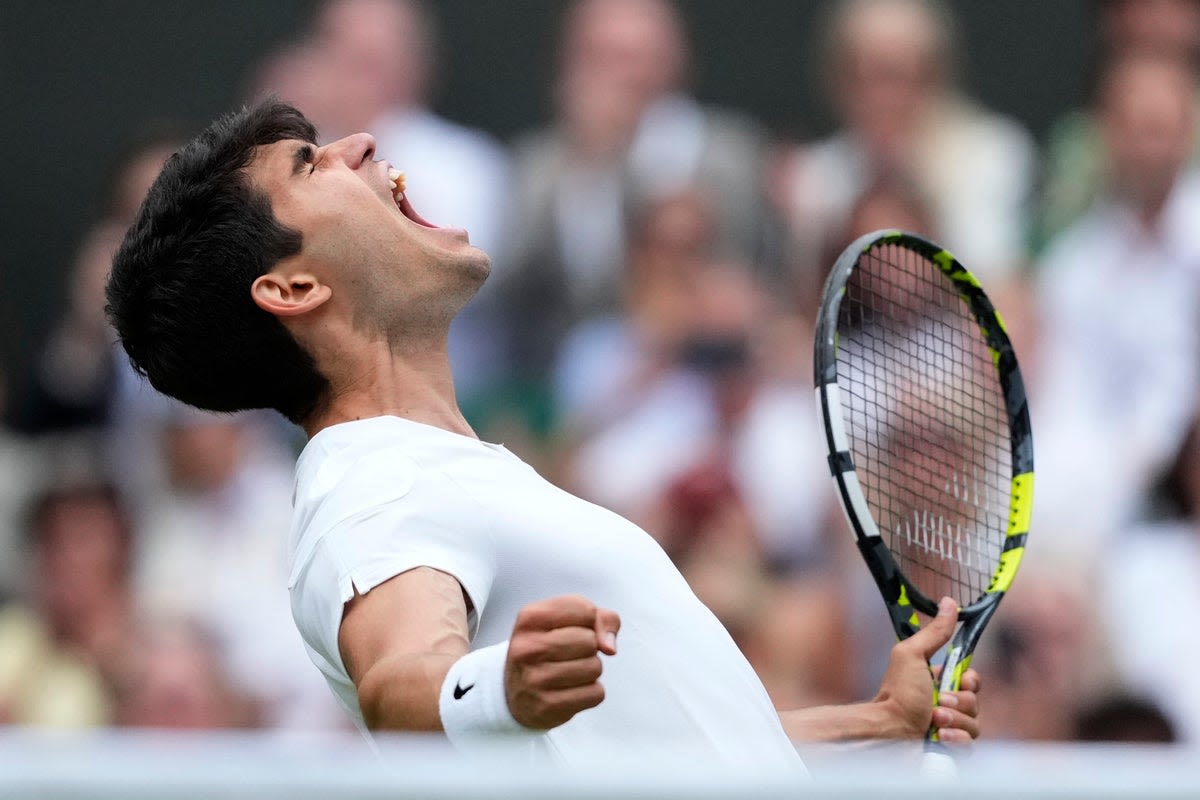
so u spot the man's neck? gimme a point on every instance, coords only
(416, 385)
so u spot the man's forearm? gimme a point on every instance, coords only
(401, 692)
(874, 720)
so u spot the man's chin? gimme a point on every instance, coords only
(477, 264)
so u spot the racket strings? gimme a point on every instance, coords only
(926, 421)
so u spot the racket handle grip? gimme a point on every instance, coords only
(938, 766)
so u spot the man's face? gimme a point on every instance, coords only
(362, 237)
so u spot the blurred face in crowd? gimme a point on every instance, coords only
(724, 333)
(672, 242)
(673, 237)
(886, 67)
(368, 260)
(946, 542)
(134, 181)
(1161, 26)
(703, 309)
(888, 204)
(375, 55)
(618, 57)
(176, 682)
(1147, 108)
(1039, 656)
(297, 75)
(89, 275)
(82, 555)
(94, 259)
(203, 450)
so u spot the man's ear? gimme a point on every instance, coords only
(287, 294)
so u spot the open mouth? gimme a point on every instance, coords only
(396, 179)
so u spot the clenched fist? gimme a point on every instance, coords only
(553, 667)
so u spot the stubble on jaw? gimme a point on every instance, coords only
(411, 324)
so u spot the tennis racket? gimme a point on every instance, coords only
(928, 433)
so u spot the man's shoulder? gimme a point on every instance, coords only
(371, 488)
(359, 474)
(345, 471)
(355, 467)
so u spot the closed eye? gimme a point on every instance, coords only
(304, 154)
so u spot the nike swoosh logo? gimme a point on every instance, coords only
(460, 690)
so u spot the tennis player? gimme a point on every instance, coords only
(438, 581)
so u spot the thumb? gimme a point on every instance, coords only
(930, 638)
(607, 625)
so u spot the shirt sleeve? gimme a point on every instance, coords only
(380, 516)
(401, 517)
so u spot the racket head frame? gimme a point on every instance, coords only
(903, 599)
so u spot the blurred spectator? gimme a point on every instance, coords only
(368, 65)
(800, 641)
(76, 370)
(626, 132)
(606, 361)
(295, 73)
(1150, 580)
(82, 384)
(60, 650)
(21, 465)
(1123, 719)
(889, 202)
(1045, 655)
(79, 376)
(1171, 27)
(682, 381)
(890, 76)
(175, 680)
(1127, 270)
(135, 168)
(1076, 164)
(213, 552)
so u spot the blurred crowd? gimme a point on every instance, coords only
(645, 341)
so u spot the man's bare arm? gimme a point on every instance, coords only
(401, 639)
(398, 641)
(903, 709)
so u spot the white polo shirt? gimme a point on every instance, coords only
(377, 497)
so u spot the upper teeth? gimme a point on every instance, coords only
(396, 178)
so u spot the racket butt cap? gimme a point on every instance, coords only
(938, 767)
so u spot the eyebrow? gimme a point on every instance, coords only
(300, 157)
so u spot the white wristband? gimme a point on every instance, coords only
(473, 704)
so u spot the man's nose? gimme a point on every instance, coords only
(353, 150)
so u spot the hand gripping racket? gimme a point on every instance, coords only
(928, 433)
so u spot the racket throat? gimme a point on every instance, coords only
(902, 604)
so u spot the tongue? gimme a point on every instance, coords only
(407, 210)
